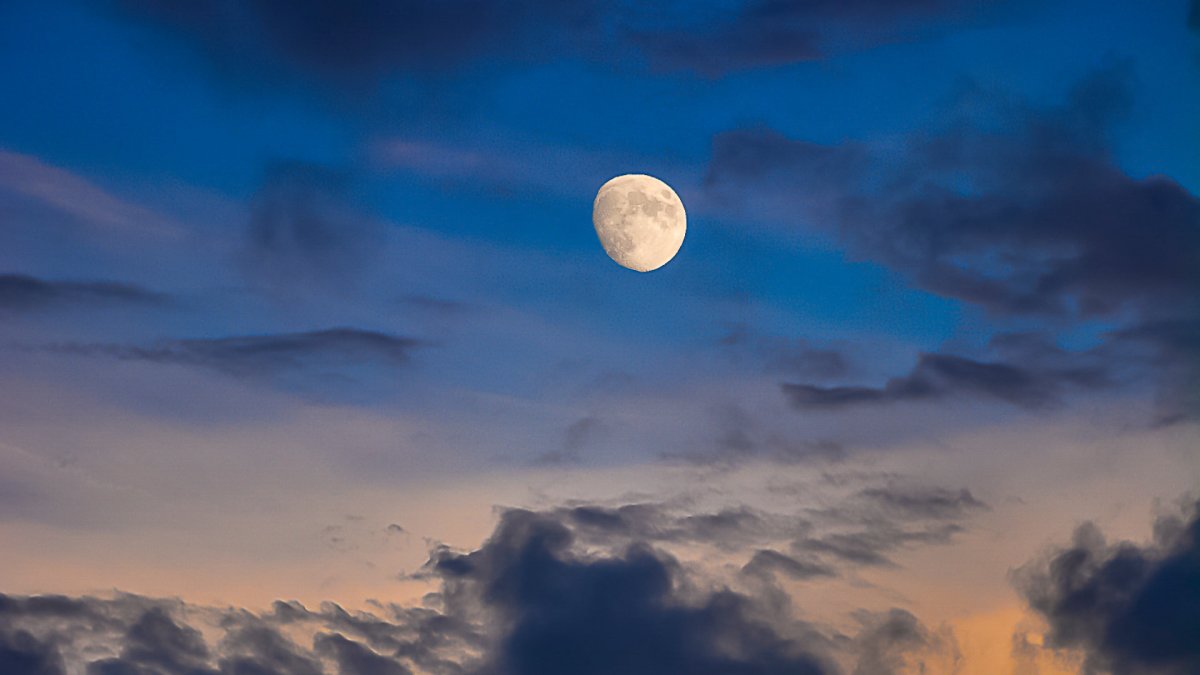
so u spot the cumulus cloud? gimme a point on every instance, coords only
(625, 613)
(1129, 608)
(578, 589)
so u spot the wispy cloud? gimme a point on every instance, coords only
(19, 292)
(258, 355)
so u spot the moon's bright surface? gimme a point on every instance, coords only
(640, 221)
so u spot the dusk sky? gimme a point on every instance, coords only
(311, 360)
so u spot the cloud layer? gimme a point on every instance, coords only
(1130, 608)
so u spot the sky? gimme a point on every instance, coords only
(311, 360)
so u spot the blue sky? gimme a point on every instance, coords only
(276, 276)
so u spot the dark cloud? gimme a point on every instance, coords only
(932, 503)
(872, 544)
(783, 355)
(573, 589)
(896, 642)
(260, 355)
(769, 562)
(1172, 348)
(577, 436)
(877, 521)
(1018, 210)
(863, 529)
(155, 643)
(938, 376)
(355, 659)
(1129, 608)
(259, 649)
(728, 528)
(133, 635)
(20, 293)
(1193, 20)
(619, 614)
(23, 654)
(435, 305)
(359, 41)
(741, 438)
(303, 232)
(764, 33)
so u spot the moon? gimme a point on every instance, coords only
(640, 221)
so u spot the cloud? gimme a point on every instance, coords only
(742, 438)
(355, 659)
(578, 435)
(1129, 608)
(896, 642)
(785, 356)
(1193, 20)
(304, 233)
(939, 376)
(262, 355)
(358, 42)
(764, 33)
(879, 520)
(155, 643)
(863, 528)
(24, 177)
(21, 652)
(768, 562)
(20, 293)
(571, 589)
(1018, 210)
(622, 613)
(934, 503)
(728, 528)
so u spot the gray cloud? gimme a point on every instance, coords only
(261, 355)
(768, 562)
(21, 293)
(764, 33)
(577, 436)
(1129, 608)
(23, 654)
(1018, 210)
(578, 589)
(896, 642)
(785, 356)
(303, 231)
(933, 503)
(358, 42)
(937, 376)
(877, 521)
(1030, 216)
(614, 614)
(741, 438)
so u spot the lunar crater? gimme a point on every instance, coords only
(640, 221)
